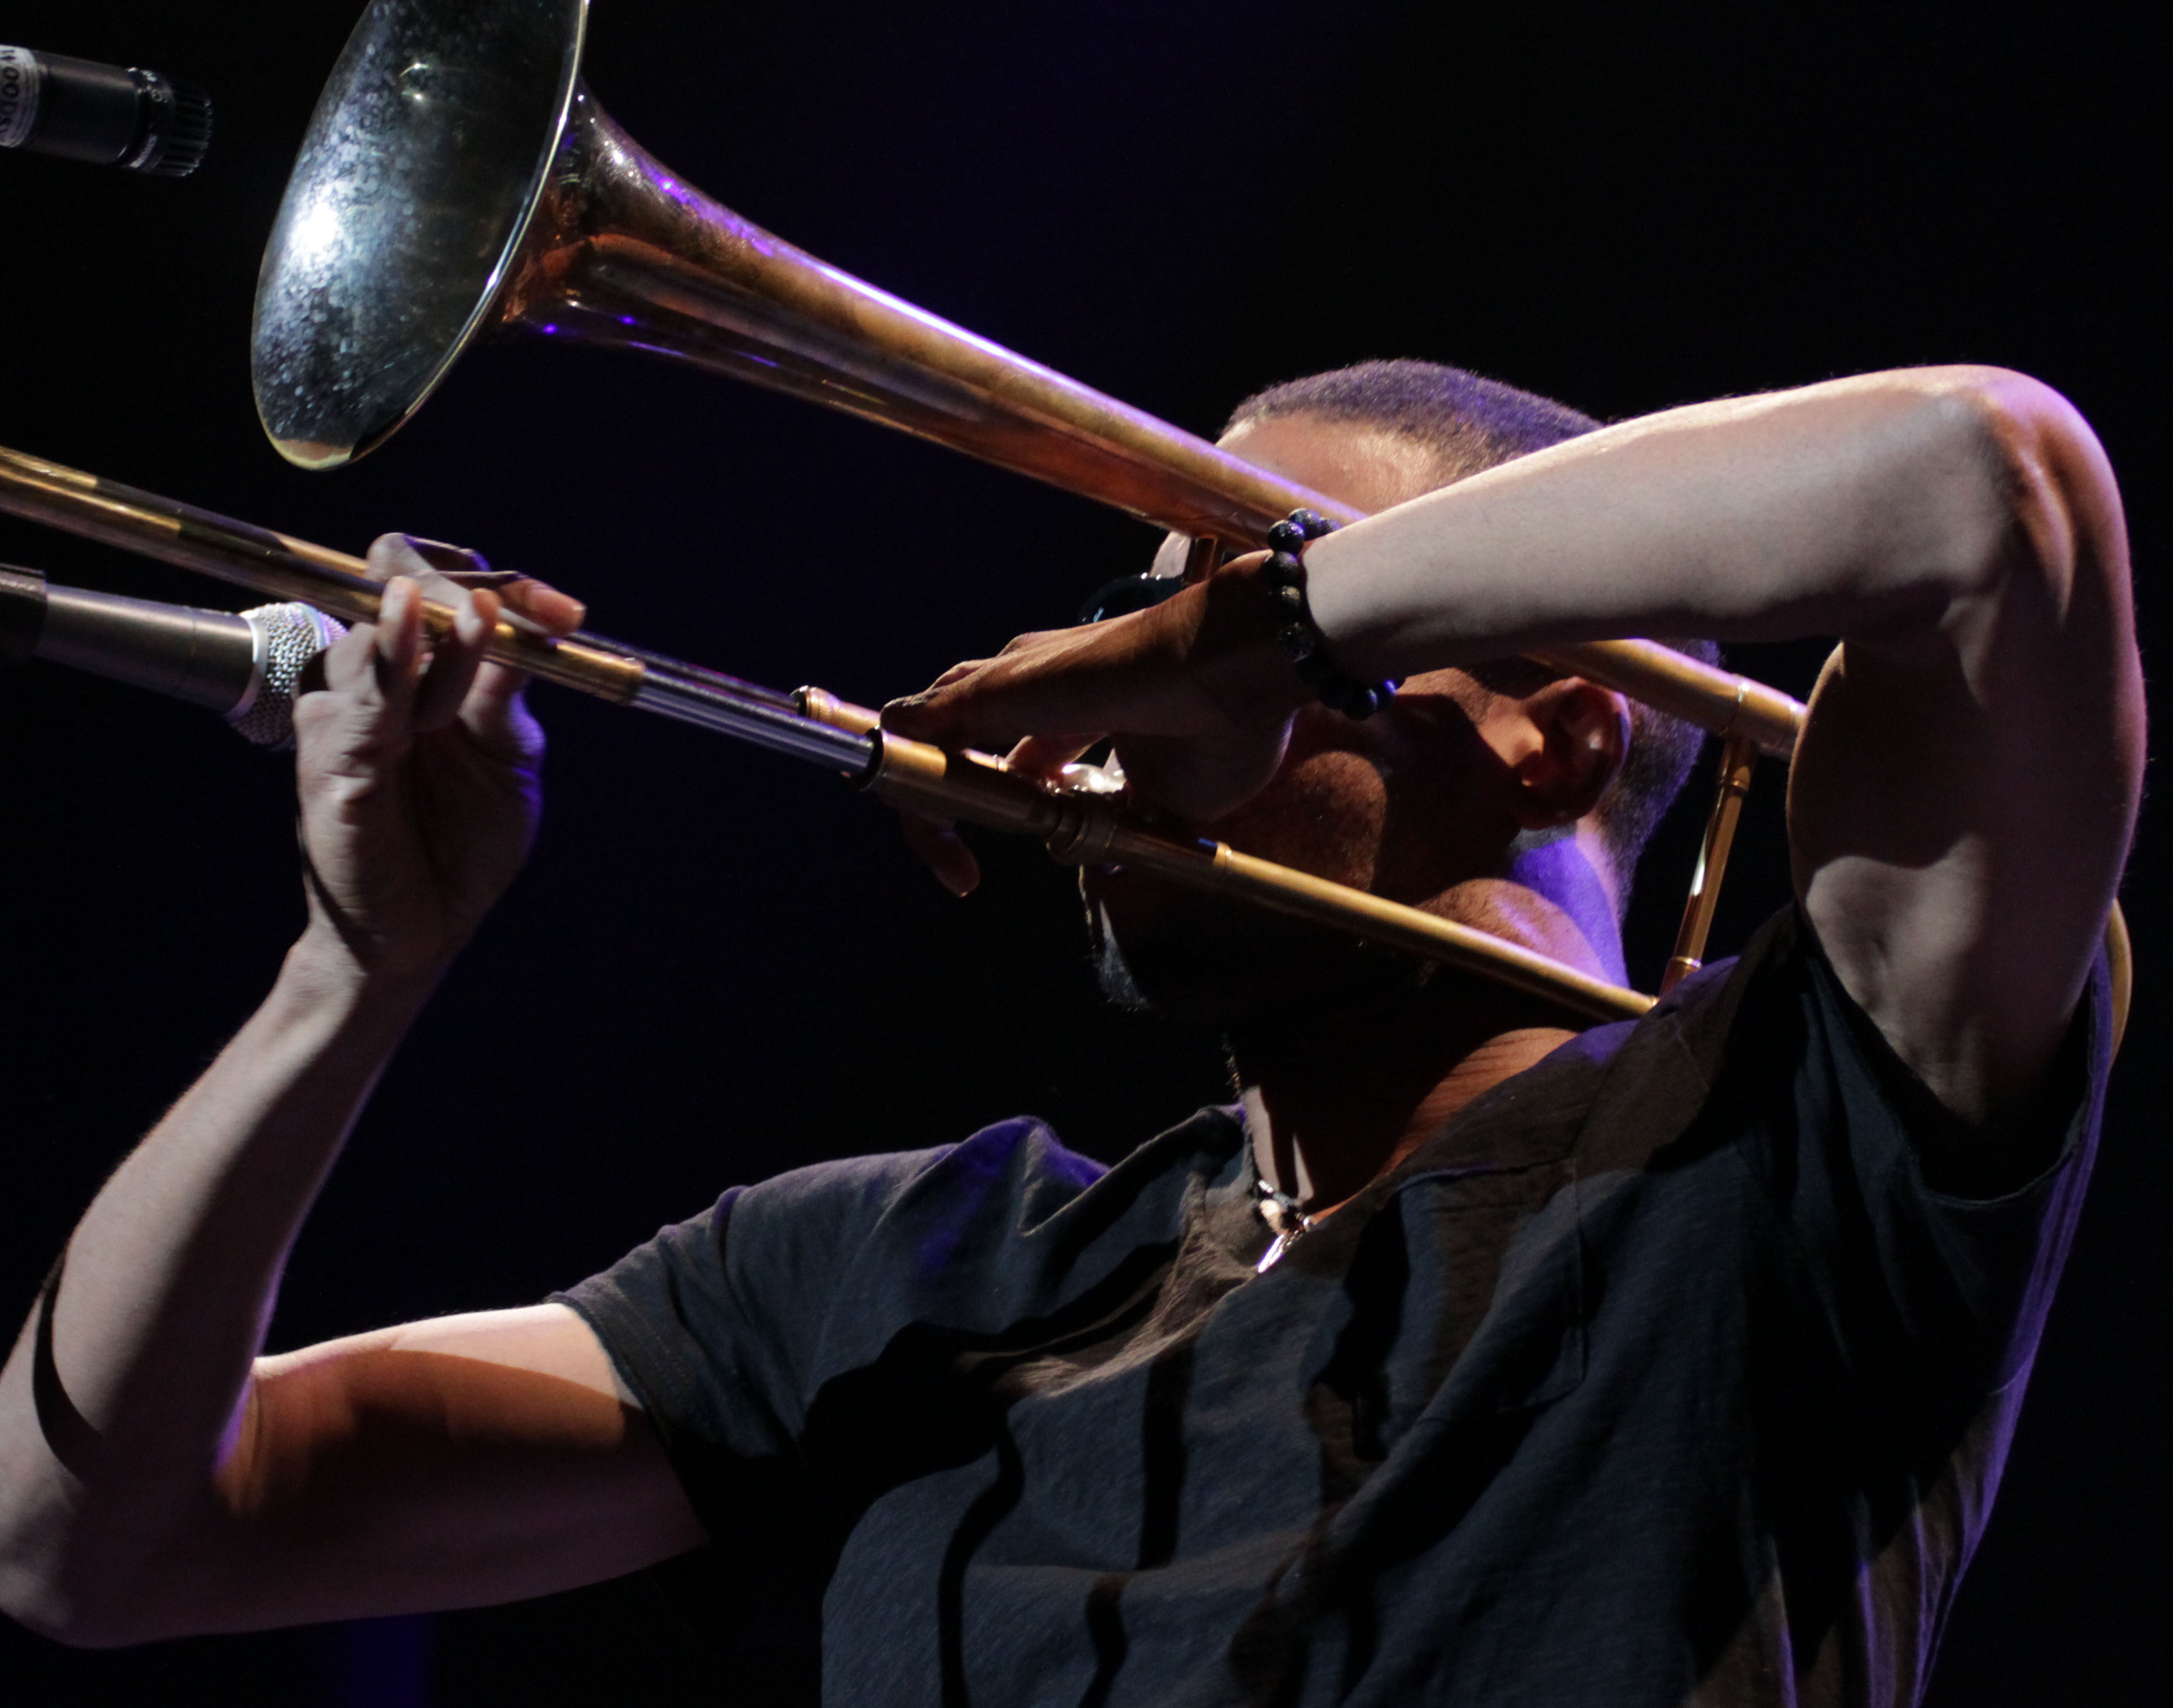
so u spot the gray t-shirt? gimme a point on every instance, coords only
(1664, 1374)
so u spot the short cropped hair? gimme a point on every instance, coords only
(1470, 424)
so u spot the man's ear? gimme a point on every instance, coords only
(1583, 732)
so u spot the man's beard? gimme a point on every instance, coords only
(1216, 961)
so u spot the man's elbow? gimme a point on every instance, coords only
(54, 1583)
(2047, 604)
(2046, 508)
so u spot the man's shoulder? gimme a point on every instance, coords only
(1614, 1093)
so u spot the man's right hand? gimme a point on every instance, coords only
(419, 765)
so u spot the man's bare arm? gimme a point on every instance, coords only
(155, 1478)
(447, 1464)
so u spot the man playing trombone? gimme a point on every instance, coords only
(1467, 1358)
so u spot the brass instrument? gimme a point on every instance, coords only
(457, 178)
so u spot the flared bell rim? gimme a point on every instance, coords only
(405, 211)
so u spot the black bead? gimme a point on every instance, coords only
(1297, 639)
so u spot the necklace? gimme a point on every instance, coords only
(1279, 1211)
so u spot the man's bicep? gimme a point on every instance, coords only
(1962, 799)
(459, 1462)
(551, 1341)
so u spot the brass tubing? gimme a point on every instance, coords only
(436, 198)
(1712, 699)
(1086, 829)
(277, 565)
(826, 708)
(968, 786)
(1738, 758)
(1307, 898)
(623, 253)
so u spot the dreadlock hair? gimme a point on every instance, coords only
(1469, 423)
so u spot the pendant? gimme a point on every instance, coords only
(1285, 1237)
(1281, 1214)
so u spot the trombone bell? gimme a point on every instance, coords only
(417, 177)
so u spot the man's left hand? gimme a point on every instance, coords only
(1192, 693)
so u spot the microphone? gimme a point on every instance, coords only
(247, 668)
(81, 110)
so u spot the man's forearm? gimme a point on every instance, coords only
(115, 1408)
(1829, 510)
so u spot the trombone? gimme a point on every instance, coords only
(458, 179)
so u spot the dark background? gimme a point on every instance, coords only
(720, 965)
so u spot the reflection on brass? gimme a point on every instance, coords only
(2120, 964)
(1739, 757)
(415, 178)
(968, 786)
(826, 708)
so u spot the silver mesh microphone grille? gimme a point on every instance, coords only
(288, 637)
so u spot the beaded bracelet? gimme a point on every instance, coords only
(1298, 637)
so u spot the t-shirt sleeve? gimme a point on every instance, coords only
(713, 1325)
(1925, 1285)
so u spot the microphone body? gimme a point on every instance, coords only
(245, 667)
(80, 109)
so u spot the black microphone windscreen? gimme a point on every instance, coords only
(79, 110)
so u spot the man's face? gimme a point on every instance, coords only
(1413, 803)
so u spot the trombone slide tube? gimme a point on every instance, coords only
(745, 718)
(1738, 758)
(1086, 829)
